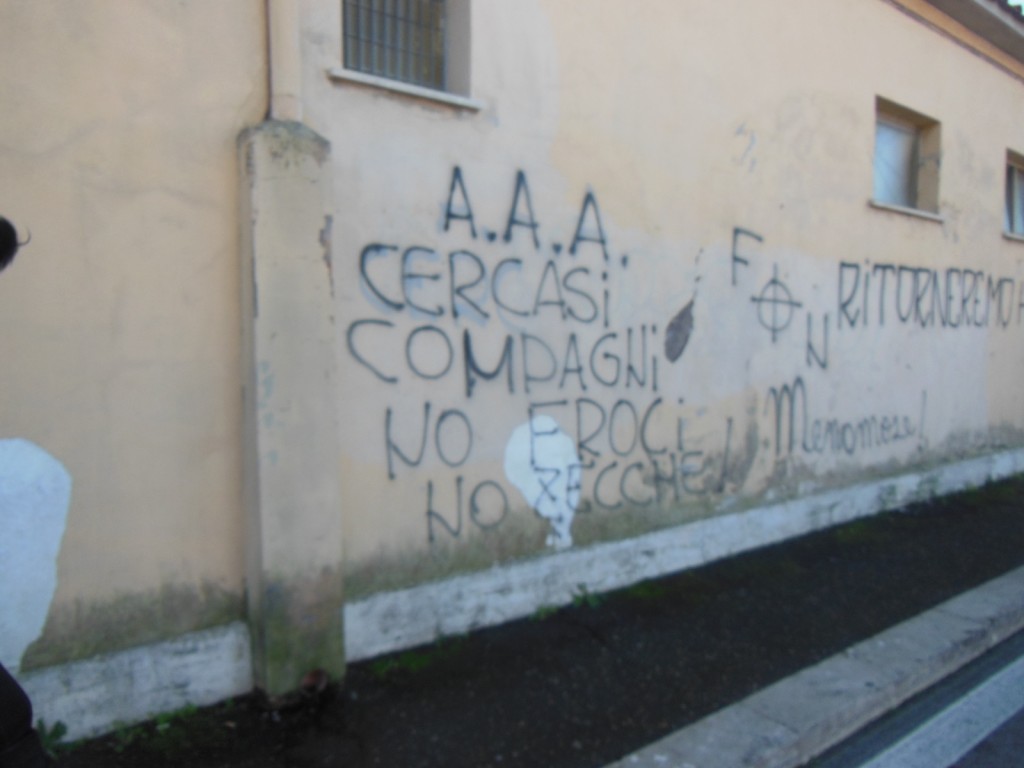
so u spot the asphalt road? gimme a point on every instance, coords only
(1004, 747)
(974, 719)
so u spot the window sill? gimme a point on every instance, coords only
(339, 74)
(915, 212)
(1017, 238)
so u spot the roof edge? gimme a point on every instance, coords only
(998, 22)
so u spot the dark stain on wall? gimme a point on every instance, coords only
(80, 630)
(677, 334)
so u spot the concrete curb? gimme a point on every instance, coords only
(796, 719)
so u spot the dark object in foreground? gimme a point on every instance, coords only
(19, 743)
(9, 243)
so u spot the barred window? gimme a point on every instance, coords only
(404, 40)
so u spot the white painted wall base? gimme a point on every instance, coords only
(393, 621)
(96, 695)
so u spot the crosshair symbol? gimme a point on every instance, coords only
(775, 305)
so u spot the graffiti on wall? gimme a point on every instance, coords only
(868, 295)
(926, 297)
(504, 306)
(510, 310)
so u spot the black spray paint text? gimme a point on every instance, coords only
(787, 406)
(521, 362)
(873, 294)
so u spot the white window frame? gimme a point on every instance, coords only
(906, 161)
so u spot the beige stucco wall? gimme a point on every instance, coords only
(676, 124)
(121, 318)
(682, 163)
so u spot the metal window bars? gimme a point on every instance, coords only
(398, 39)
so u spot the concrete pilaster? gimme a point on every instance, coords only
(291, 474)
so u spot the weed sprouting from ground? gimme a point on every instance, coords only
(544, 612)
(52, 736)
(860, 532)
(411, 662)
(168, 733)
(584, 598)
(125, 736)
(645, 590)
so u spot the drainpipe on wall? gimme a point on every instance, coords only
(291, 451)
(285, 60)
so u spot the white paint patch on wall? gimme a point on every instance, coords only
(35, 491)
(541, 461)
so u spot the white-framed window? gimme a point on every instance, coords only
(907, 158)
(1014, 221)
(418, 43)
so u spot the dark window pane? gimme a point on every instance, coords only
(398, 39)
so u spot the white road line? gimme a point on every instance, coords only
(956, 730)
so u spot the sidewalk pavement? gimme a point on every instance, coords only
(802, 716)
